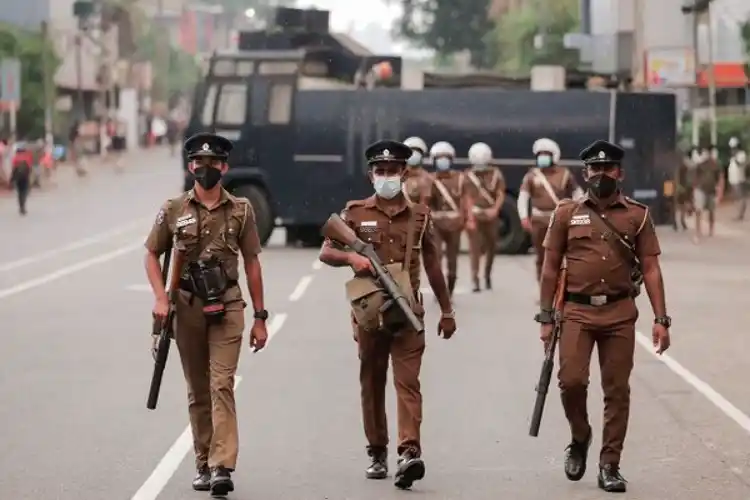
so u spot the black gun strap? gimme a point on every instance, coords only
(616, 240)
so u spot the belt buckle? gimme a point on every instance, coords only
(598, 300)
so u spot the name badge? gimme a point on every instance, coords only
(580, 220)
(185, 221)
(368, 226)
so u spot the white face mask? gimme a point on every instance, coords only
(543, 161)
(415, 159)
(387, 187)
(443, 163)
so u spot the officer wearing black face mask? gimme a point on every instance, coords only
(208, 230)
(603, 170)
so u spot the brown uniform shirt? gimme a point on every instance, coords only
(561, 181)
(707, 176)
(388, 233)
(492, 182)
(226, 231)
(454, 183)
(416, 184)
(594, 267)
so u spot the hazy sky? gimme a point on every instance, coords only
(344, 13)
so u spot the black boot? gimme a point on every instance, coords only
(378, 468)
(576, 455)
(202, 480)
(488, 282)
(476, 288)
(221, 482)
(410, 469)
(451, 284)
(610, 480)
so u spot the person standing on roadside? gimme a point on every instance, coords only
(708, 189)
(737, 175)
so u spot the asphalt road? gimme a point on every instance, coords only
(74, 370)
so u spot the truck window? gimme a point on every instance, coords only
(280, 104)
(207, 117)
(278, 68)
(232, 104)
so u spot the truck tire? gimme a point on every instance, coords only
(262, 208)
(512, 238)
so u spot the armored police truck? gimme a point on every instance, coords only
(293, 101)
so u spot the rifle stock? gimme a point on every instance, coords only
(337, 230)
(165, 333)
(548, 365)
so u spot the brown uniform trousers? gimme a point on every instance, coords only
(483, 240)
(596, 269)
(209, 354)
(405, 349)
(562, 183)
(446, 202)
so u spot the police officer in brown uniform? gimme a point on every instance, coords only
(486, 192)
(602, 281)
(448, 202)
(543, 187)
(417, 181)
(400, 233)
(210, 229)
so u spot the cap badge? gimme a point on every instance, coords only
(386, 153)
(602, 154)
(206, 147)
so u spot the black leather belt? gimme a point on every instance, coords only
(594, 300)
(187, 285)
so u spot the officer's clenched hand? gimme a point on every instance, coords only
(360, 264)
(258, 335)
(660, 337)
(545, 335)
(446, 327)
(161, 309)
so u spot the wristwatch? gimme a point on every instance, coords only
(448, 315)
(545, 317)
(261, 315)
(665, 321)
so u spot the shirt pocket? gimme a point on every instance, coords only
(187, 237)
(231, 234)
(579, 233)
(370, 234)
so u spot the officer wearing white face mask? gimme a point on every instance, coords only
(737, 175)
(450, 208)
(416, 185)
(543, 187)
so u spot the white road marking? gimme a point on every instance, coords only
(317, 265)
(171, 461)
(696, 383)
(67, 270)
(76, 245)
(301, 288)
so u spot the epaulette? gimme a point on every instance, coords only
(354, 203)
(636, 203)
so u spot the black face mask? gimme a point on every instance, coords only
(207, 177)
(602, 186)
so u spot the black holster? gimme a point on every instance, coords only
(207, 280)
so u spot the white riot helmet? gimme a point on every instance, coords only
(480, 154)
(734, 143)
(442, 148)
(416, 143)
(545, 145)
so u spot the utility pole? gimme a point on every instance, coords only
(48, 85)
(638, 69)
(701, 12)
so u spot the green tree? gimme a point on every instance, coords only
(447, 26)
(29, 47)
(745, 31)
(512, 40)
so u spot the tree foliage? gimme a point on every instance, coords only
(29, 47)
(512, 41)
(447, 26)
(745, 32)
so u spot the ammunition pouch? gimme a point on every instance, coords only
(372, 307)
(207, 280)
(636, 277)
(481, 214)
(448, 221)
